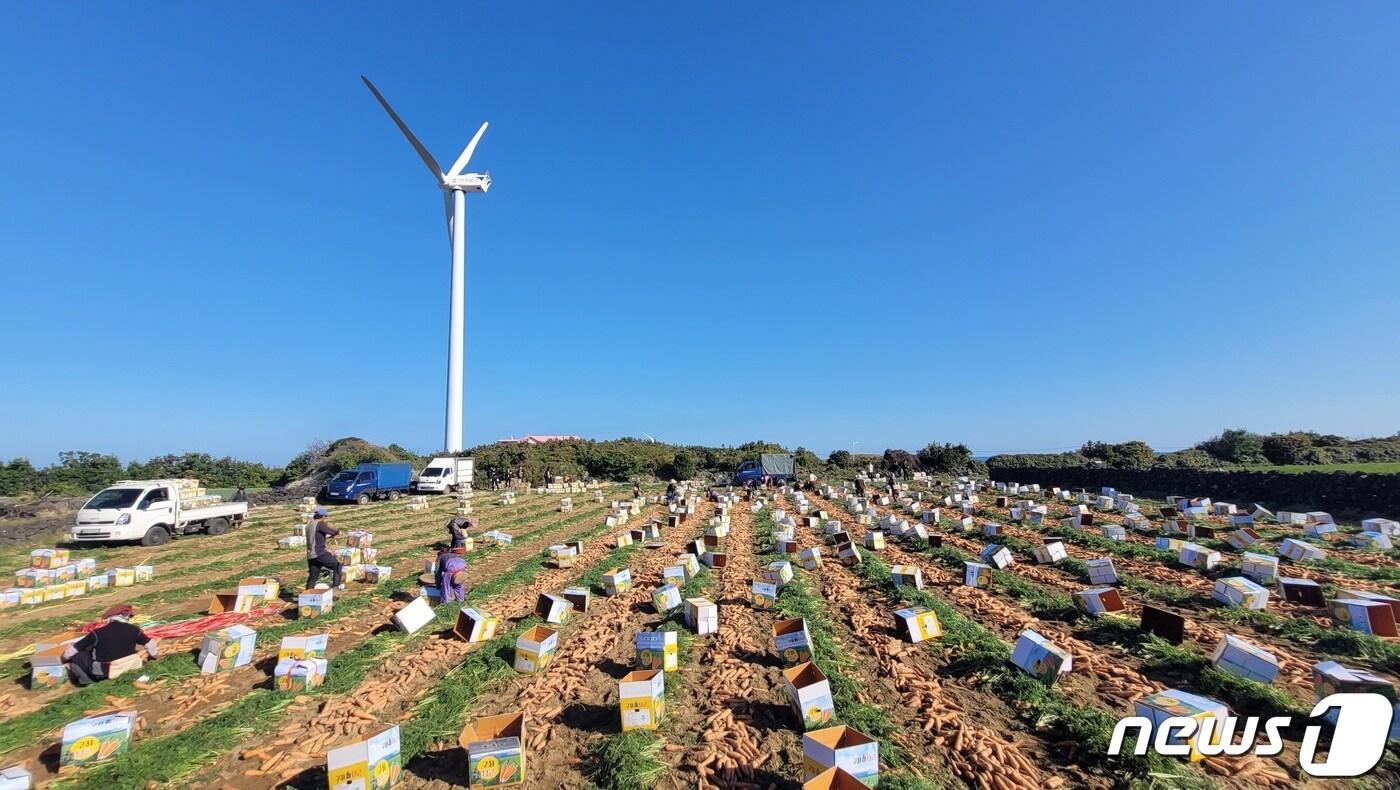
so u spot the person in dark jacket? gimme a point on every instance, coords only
(318, 559)
(457, 531)
(89, 658)
(860, 488)
(240, 495)
(670, 492)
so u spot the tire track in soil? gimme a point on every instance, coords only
(1119, 676)
(979, 754)
(402, 541)
(168, 708)
(575, 700)
(388, 692)
(735, 696)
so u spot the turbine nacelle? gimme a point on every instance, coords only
(467, 182)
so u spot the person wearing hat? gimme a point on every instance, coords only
(457, 530)
(90, 658)
(318, 559)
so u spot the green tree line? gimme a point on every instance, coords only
(1232, 448)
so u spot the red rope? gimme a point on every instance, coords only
(199, 625)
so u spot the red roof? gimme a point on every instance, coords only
(539, 438)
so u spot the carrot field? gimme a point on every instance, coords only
(947, 711)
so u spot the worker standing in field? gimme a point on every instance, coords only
(318, 559)
(452, 575)
(671, 492)
(637, 490)
(240, 495)
(111, 645)
(457, 531)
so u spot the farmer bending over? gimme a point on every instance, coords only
(318, 559)
(90, 658)
(452, 575)
(457, 530)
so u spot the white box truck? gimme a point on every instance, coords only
(152, 512)
(446, 474)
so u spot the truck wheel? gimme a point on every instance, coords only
(394, 496)
(155, 536)
(362, 499)
(216, 526)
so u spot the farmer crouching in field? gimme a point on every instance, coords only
(318, 559)
(109, 649)
(452, 575)
(457, 531)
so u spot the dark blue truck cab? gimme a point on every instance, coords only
(368, 482)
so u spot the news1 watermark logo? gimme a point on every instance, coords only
(1362, 725)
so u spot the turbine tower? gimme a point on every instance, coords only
(455, 185)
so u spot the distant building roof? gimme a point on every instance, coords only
(540, 438)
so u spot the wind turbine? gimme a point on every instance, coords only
(455, 185)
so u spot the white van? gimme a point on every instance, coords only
(447, 474)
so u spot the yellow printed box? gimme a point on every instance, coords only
(642, 699)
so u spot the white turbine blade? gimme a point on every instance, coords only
(417, 146)
(466, 156)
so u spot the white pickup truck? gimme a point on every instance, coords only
(151, 511)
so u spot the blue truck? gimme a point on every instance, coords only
(367, 482)
(774, 466)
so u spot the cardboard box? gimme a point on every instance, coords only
(848, 554)
(657, 650)
(1114, 532)
(673, 574)
(1099, 600)
(55, 592)
(48, 558)
(976, 574)
(252, 592)
(314, 603)
(1244, 658)
(554, 609)
(1173, 545)
(1367, 617)
(1101, 571)
(1241, 592)
(715, 559)
(834, 779)
(778, 571)
(95, 739)
(580, 597)
(810, 559)
(1385, 526)
(874, 540)
(374, 764)
(535, 648)
(227, 648)
(907, 576)
(617, 581)
(1300, 550)
(701, 615)
(810, 694)
(1301, 591)
(917, 623)
(97, 582)
(1165, 704)
(666, 598)
(10, 598)
(1050, 553)
(144, 573)
(1160, 622)
(763, 594)
(88, 566)
(1198, 557)
(624, 539)
(476, 625)
(792, 641)
(378, 574)
(75, 588)
(495, 747)
(46, 667)
(998, 556)
(414, 616)
(1041, 658)
(1261, 568)
(16, 777)
(298, 647)
(841, 747)
(299, 674)
(1371, 540)
(1330, 677)
(30, 597)
(642, 699)
(1242, 538)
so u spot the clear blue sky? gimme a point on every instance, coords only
(1017, 226)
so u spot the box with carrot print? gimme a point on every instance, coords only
(495, 747)
(374, 764)
(95, 739)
